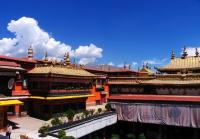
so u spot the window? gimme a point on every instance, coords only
(97, 102)
(24, 84)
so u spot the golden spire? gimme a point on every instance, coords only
(129, 66)
(147, 65)
(197, 53)
(30, 52)
(184, 55)
(46, 57)
(124, 65)
(173, 54)
(67, 59)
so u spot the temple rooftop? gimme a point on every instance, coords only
(108, 68)
(191, 62)
(61, 70)
(5, 65)
(183, 64)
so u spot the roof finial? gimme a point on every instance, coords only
(197, 53)
(30, 53)
(67, 59)
(184, 55)
(124, 65)
(147, 65)
(129, 66)
(173, 54)
(143, 66)
(46, 57)
(61, 63)
(109, 67)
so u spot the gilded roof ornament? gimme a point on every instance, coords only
(143, 65)
(124, 65)
(67, 59)
(173, 54)
(30, 52)
(196, 53)
(46, 57)
(184, 55)
(146, 69)
(61, 62)
(129, 66)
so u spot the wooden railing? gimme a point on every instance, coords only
(69, 91)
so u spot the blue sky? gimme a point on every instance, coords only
(126, 30)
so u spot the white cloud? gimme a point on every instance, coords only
(6, 44)
(122, 65)
(191, 50)
(155, 61)
(111, 63)
(88, 54)
(131, 65)
(134, 63)
(27, 32)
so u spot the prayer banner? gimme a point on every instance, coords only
(166, 114)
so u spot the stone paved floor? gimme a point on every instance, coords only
(3, 137)
(28, 126)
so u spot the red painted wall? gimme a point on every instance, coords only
(97, 95)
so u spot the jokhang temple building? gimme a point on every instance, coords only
(45, 87)
(56, 87)
(157, 102)
(163, 105)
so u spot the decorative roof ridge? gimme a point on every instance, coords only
(190, 56)
(8, 63)
(179, 74)
(18, 59)
(110, 70)
(134, 77)
(59, 66)
(62, 70)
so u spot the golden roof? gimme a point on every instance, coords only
(171, 82)
(60, 71)
(128, 80)
(155, 82)
(192, 62)
(146, 70)
(175, 79)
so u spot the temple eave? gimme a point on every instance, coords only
(61, 97)
(178, 68)
(174, 98)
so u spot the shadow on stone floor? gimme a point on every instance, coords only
(13, 124)
(3, 137)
